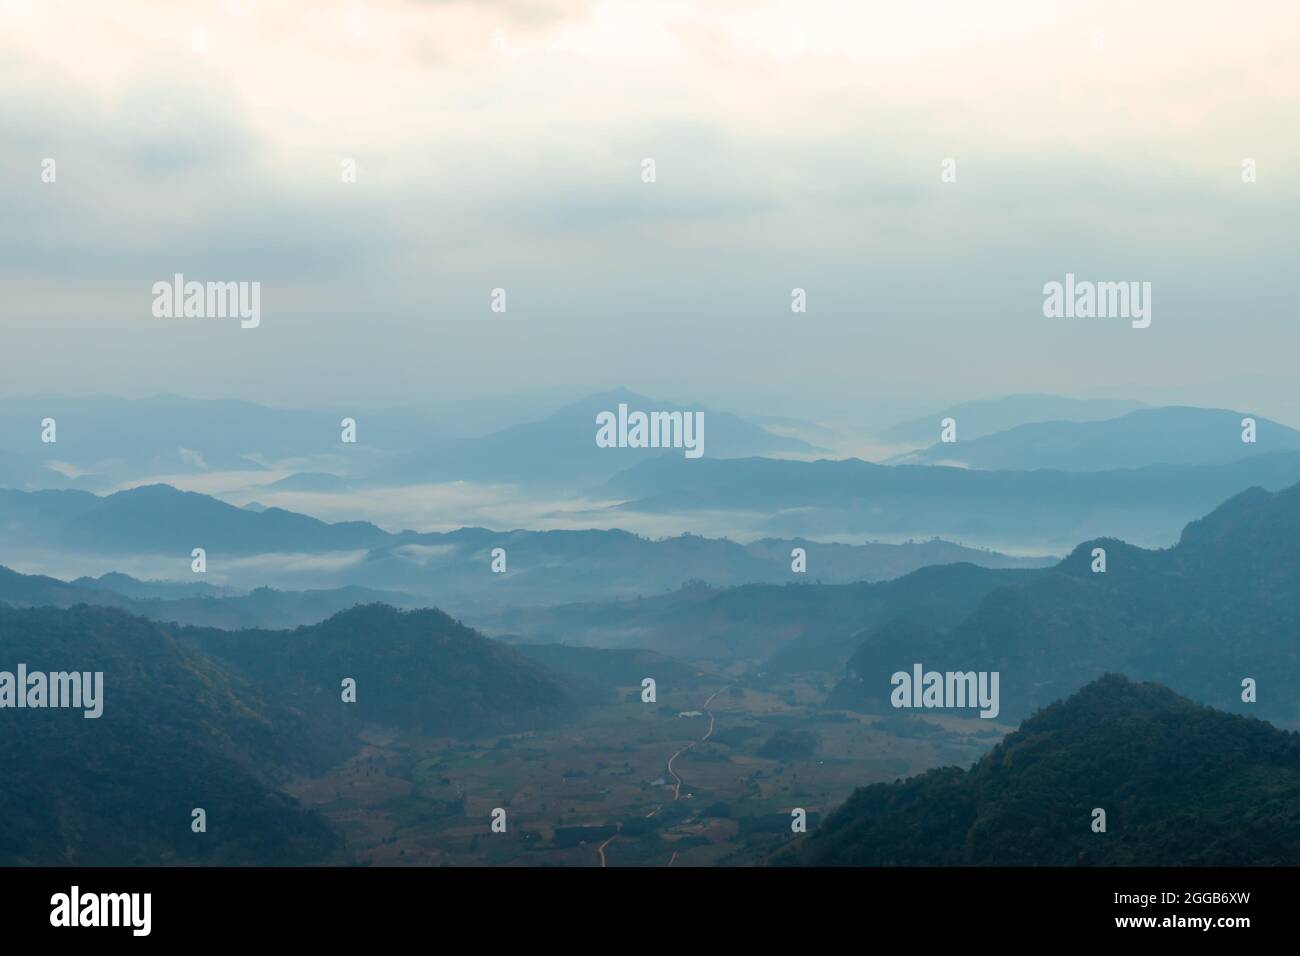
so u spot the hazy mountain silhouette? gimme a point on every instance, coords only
(18, 471)
(542, 566)
(316, 481)
(1151, 436)
(38, 590)
(131, 587)
(555, 567)
(160, 519)
(795, 627)
(196, 604)
(110, 441)
(560, 449)
(1052, 509)
(131, 439)
(979, 418)
(598, 674)
(1181, 785)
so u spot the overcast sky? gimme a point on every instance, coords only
(796, 144)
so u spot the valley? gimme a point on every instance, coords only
(603, 788)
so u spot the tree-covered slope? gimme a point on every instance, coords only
(177, 732)
(419, 670)
(1180, 784)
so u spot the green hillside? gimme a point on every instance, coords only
(177, 731)
(1181, 784)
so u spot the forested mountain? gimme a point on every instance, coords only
(220, 720)
(418, 670)
(1180, 784)
(177, 731)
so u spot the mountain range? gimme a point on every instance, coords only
(788, 628)
(102, 441)
(1202, 617)
(987, 416)
(1046, 508)
(1149, 436)
(560, 450)
(197, 604)
(164, 524)
(238, 711)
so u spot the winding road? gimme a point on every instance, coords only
(601, 849)
(677, 788)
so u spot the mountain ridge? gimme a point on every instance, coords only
(1169, 435)
(1200, 617)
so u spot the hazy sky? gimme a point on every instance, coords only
(796, 144)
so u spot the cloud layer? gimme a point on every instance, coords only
(501, 145)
